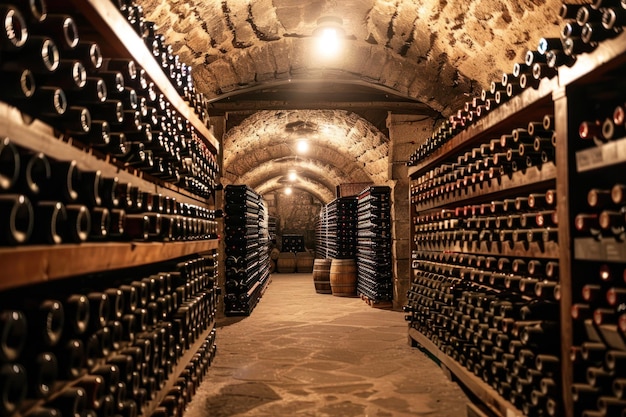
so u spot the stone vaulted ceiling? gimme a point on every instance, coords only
(255, 62)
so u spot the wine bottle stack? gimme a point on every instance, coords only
(605, 116)
(598, 353)
(509, 340)
(342, 232)
(247, 249)
(321, 234)
(271, 227)
(374, 271)
(292, 243)
(108, 104)
(47, 201)
(523, 223)
(486, 164)
(179, 73)
(110, 347)
(598, 202)
(585, 26)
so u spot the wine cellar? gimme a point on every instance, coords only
(248, 207)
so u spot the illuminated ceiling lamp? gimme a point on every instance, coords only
(292, 175)
(288, 191)
(329, 34)
(302, 146)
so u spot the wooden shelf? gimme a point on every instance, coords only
(608, 55)
(114, 32)
(38, 136)
(610, 153)
(36, 264)
(477, 386)
(548, 250)
(604, 250)
(530, 105)
(531, 178)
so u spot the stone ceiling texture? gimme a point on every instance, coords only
(436, 52)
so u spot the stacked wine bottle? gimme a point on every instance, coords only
(585, 26)
(487, 165)
(508, 340)
(292, 243)
(342, 219)
(247, 249)
(110, 347)
(108, 104)
(47, 201)
(374, 271)
(179, 73)
(598, 201)
(321, 234)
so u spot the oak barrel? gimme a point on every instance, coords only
(304, 262)
(321, 276)
(343, 274)
(286, 262)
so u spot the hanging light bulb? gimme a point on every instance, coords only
(329, 35)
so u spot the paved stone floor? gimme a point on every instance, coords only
(306, 354)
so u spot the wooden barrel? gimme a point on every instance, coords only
(286, 262)
(272, 266)
(304, 262)
(343, 275)
(321, 276)
(274, 253)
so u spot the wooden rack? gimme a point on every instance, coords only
(559, 96)
(37, 264)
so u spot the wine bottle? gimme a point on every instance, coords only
(61, 28)
(16, 219)
(71, 359)
(15, 32)
(39, 54)
(71, 401)
(95, 390)
(93, 92)
(100, 223)
(42, 374)
(13, 334)
(78, 223)
(13, 387)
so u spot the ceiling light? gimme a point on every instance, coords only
(302, 146)
(288, 191)
(329, 35)
(292, 176)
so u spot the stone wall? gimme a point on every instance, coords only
(295, 213)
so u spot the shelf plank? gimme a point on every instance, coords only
(531, 178)
(477, 386)
(547, 250)
(604, 250)
(115, 32)
(38, 136)
(36, 264)
(609, 54)
(530, 105)
(610, 153)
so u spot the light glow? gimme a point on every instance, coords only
(292, 176)
(328, 42)
(288, 191)
(302, 146)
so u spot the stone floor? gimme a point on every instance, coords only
(306, 354)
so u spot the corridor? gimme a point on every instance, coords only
(306, 354)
